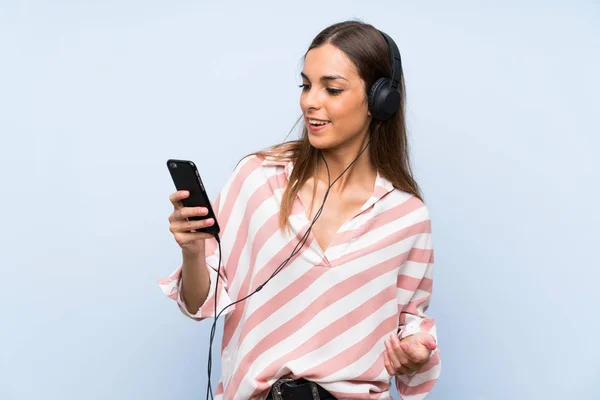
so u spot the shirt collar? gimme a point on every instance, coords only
(381, 188)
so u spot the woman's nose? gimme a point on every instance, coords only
(310, 99)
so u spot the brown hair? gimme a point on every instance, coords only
(367, 49)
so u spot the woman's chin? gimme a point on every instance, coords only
(320, 142)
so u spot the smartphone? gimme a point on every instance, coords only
(186, 177)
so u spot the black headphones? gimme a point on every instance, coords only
(384, 96)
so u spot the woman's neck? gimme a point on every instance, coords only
(361, 173)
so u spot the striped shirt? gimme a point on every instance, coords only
(326, 315)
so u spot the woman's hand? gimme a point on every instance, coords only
(190, 241)
(409, 354)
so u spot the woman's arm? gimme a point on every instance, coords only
(413, 322)
(195, 280)
(197, 275)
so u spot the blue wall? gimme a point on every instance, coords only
(95, 96)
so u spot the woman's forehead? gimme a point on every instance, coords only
(328, 60)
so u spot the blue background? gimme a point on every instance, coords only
(95, 97)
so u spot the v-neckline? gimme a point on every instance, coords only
(311, 237)
(381, 188)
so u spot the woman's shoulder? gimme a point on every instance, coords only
(278, 156)
(409, 202)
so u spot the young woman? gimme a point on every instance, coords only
(345, 314)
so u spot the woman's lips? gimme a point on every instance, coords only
(317, 128)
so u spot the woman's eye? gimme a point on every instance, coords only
(331, 91)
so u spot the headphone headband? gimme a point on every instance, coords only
(384, 95)
(396, 60)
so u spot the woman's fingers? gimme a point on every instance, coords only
(403, 354)
(176, 198)
(185, 232)
(398, 359)
(388, 365)
(184, 226)
(418, 347)
(392, 356)
(187, 212)
(189, 226)
(185, 238)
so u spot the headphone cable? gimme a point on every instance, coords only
(295, 251)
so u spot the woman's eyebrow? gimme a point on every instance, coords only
(325, 77)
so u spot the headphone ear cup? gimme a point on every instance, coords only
(375, 100)
(383, 100)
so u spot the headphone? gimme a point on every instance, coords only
(384, 101)
(384, 95)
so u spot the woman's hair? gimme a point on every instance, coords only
(367, 49)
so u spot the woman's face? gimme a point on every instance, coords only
(333, 99)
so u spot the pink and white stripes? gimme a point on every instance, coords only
(326, 315)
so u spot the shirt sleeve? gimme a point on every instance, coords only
(227, 199)
(413, 319)
(171, 286)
